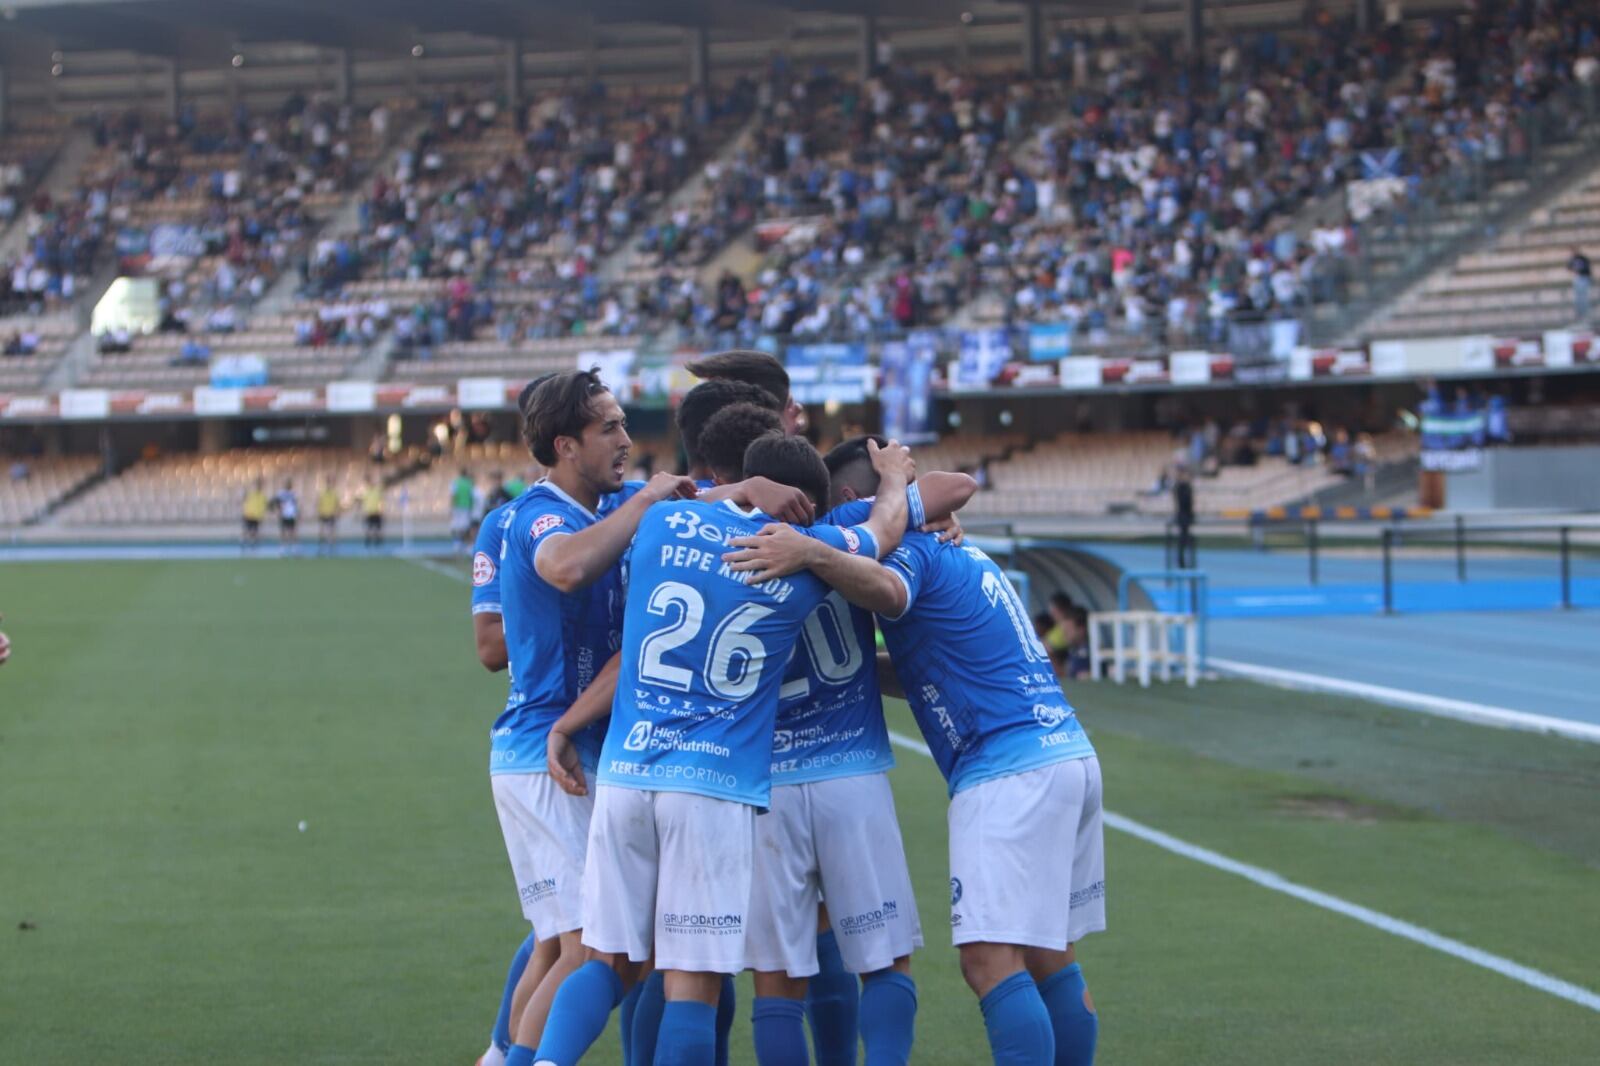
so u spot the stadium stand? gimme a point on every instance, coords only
(283, 341)
(207, 489)
(1519, 284)
(1129, 472)
(32, 486)
(428, 491)
(30, 346)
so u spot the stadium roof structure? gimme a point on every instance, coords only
(202, 30)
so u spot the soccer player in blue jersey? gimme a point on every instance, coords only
(489, 638)
(832, 830)
(758, 377)
(561, 607)
(1025, 811)
(560, 592)
(687, 760)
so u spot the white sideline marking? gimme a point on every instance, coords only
(1441, 706)
(437, 567)
(1267, 879)
(1277, 883)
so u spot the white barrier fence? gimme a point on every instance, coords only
(1150, 641)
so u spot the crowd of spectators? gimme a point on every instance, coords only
(526, 203)
(1152, 202)
(1121, 193)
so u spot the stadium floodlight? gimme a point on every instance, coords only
(238, 59)
(416, 51)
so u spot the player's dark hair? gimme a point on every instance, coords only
(523, 399)
(561, 406)
(755, 368)
(850, 465)
(1061, 601)
(789, 461)
(706, 399)
(729, 434)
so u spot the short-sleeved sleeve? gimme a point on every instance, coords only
(853, 540)
(911, 566)
(486, 564)
(545, 520)
(855, 512)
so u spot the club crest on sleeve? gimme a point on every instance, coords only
(544, 524)
(482, 569)
(852, 541)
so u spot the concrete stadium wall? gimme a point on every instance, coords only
(1533, 477)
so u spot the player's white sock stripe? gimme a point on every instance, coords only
(1442, 706)
(1277, 883)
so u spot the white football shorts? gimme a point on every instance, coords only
(547, 836)
(669, 872)
(1027, 858)
(837, 840)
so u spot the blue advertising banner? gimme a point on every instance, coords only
(819, 373)
(983, 353)
(1049, 341)
(906, 392)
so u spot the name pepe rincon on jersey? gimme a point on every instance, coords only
(708, 654)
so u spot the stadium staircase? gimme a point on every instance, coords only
(41, 516)
(346, 219)
(1394, 481)
(57, 181)
(1407, 251)
(615, 265)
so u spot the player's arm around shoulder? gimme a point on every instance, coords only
(890, 510)
(572, 562)
(778, 551)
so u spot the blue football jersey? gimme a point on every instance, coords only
(486, 559)
(830, 710)
(556, 642)
(978, 680)
(704, 654)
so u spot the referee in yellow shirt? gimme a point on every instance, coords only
(372, 511)
(327, 517)
(255, 509)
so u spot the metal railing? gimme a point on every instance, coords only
(1457, 536)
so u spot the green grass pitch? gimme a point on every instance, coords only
(164, 727)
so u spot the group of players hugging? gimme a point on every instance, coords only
(691, 770)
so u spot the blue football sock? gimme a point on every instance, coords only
(578, 1016)
(688, 1034)
(888, 1018)
(727, 1007)
(520, 1055)
(832, 1003)
(779, 1028)
(501, 1036)
(647, 1019)
(625, 1020)
(1018, 1024)
(1076, 1026)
